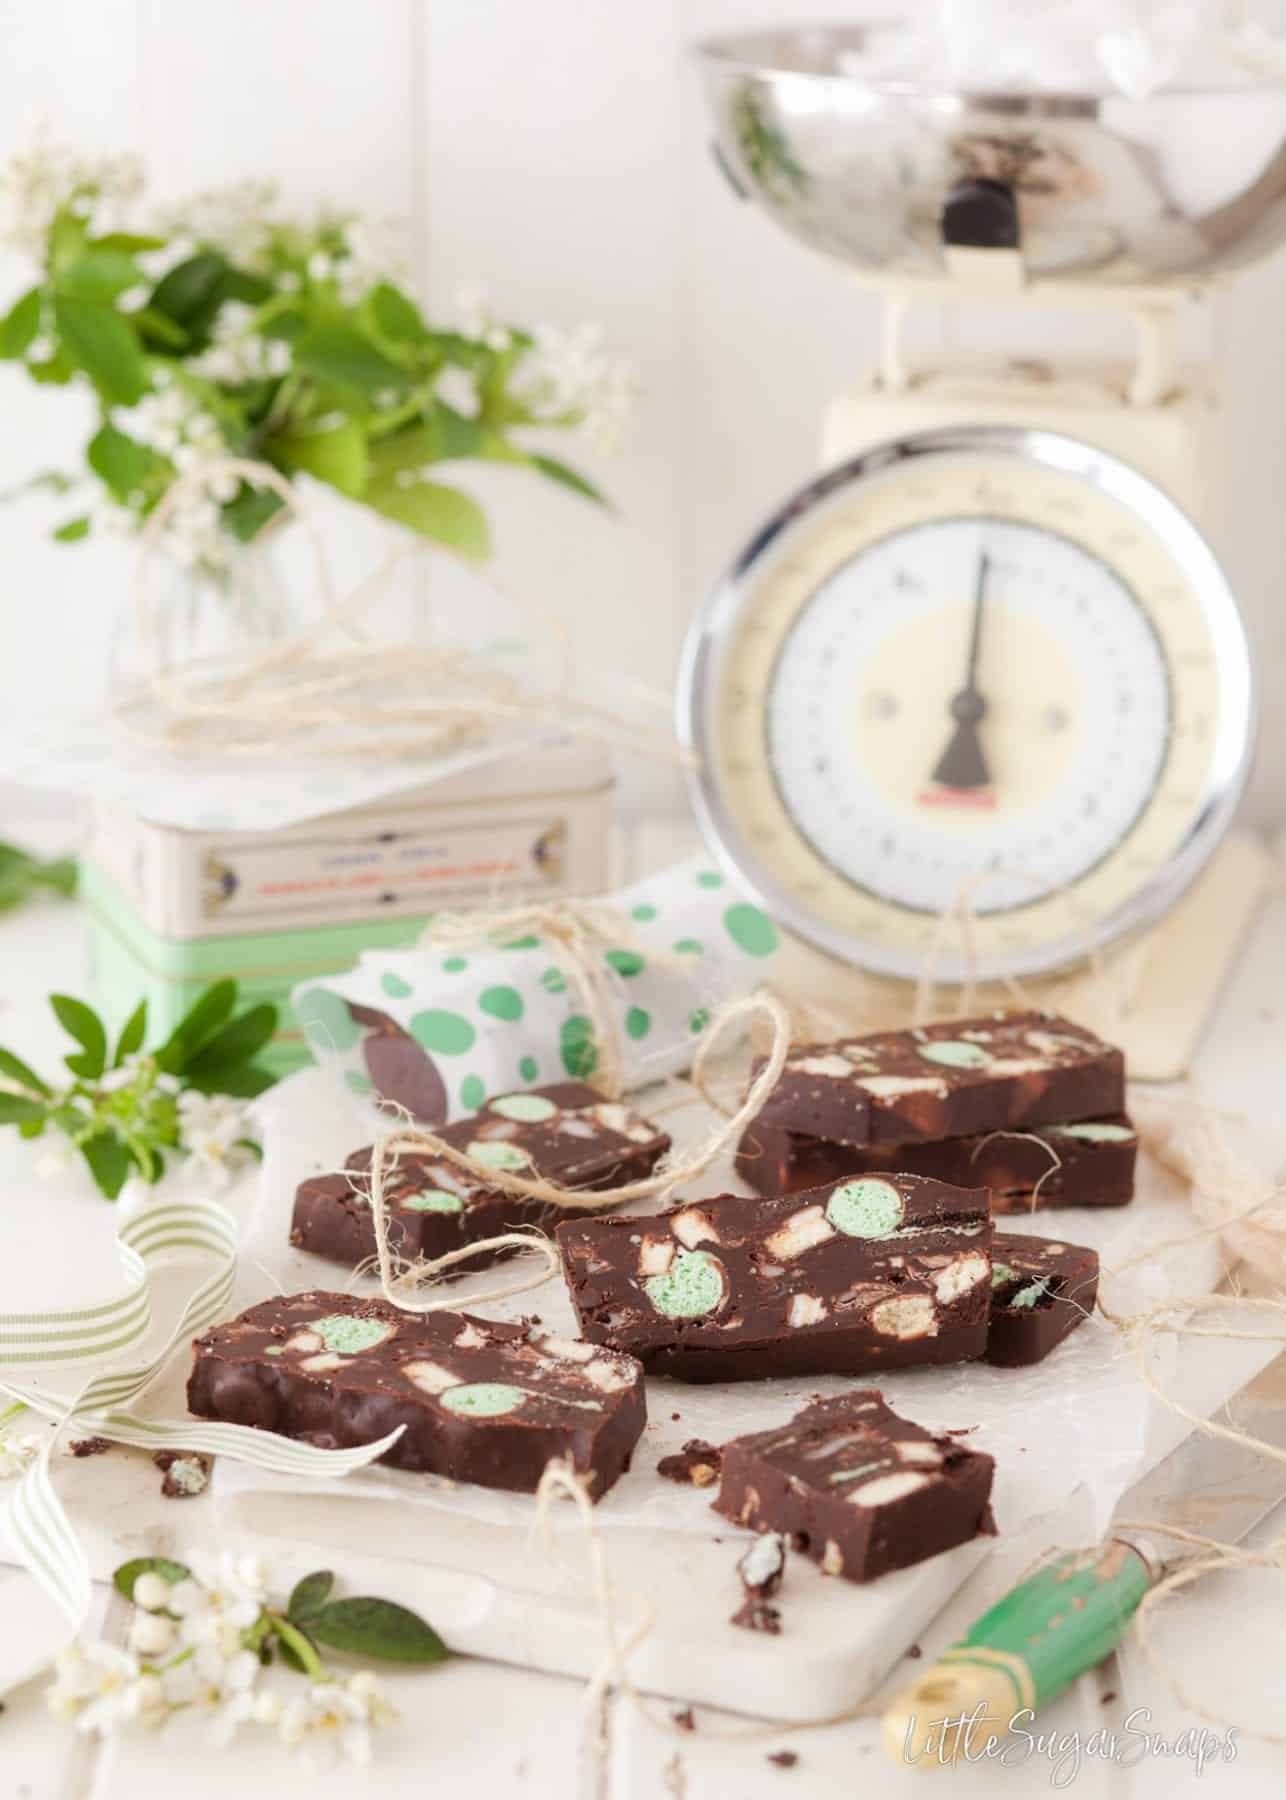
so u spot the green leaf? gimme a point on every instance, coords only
(16, 1109)
(441, 513)
(380, 1628)
(237, 1042)
(337, 455)
(191, 293)
(104, 346)
(342, 357)
(131, 242)
(68, 236)
(56, 371)
(124, 1578)
(99, 274)
(20, 325)
(568, 477)
(110, 1162)
(159, 330)
(247, 514)
(309, 1596)
(61, 873)
(124, 465)
(242, 1081)
(202, 1019)
(72, 532)
(21, 1072)
(32, 1128)
(133, 1032)
(82, 1023)
(396, 317)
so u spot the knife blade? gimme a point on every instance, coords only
(1073, 1611)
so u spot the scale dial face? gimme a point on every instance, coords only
(984, 671)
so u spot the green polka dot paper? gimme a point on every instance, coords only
(495, 1020)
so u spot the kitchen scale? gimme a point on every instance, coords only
(976, 703)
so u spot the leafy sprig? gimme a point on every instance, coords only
(257, 335)
(357, 1626)
(129, 1109)
(23, 876)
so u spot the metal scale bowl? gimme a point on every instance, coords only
(884, 175)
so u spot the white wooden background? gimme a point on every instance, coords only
(552, 150)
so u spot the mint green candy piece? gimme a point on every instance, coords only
(955, 1053)
(529, 1068)
(483, 1399)
(643, 913)
(527, 1109)
(501, 1002)
(554, 981)
(433, 1200)
(275, 1350)
(1095, 1132)
(395, 987)
(708, 879)
(627, 963)
(444, 1033)
(751, 930)
(868, 1208)
(494, 1153)
(638, 1022)
(692, 1286)
(698, 1020)
(1034, 1291)
(689, 947)
(454, 964)
(327, 1020)
(346, 1336)
(473, 1091)
(1001, 1273)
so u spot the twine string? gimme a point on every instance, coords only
(401, 1286)
(407, 700)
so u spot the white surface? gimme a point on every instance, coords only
(554, 152)
(506, 1732)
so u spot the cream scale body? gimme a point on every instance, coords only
(985, 664)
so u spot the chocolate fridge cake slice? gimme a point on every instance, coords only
(858, 1489)
(952, 1079)
(479, 1401)
(1094, 1167)
(873, 1273)
(566, 1132)
(1041, 1289)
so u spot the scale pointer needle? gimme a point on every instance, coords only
(962, 765)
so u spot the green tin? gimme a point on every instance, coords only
(129, 962)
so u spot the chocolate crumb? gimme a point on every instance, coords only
(697, 1463)
(676, 1417)
(914, 1651)
(684, 1719)
(187, 1473)
(761, 1570)
(783, 1759)
(757, 1615)
(960, 1431)
(1107, 1698)
(90, 1446)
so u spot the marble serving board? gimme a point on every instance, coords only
(1081, 1423)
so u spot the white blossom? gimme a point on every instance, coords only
(338, 1715)
(18, 1450)
(459, 389)
(59, 1160)
(209, 1127)
(221, 1598)
(568, 376)
(100, 1687)
(239, 220)
(48, 177)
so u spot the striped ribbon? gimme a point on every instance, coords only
(41, 1532)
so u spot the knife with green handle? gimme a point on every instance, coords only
(1075, 1609)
